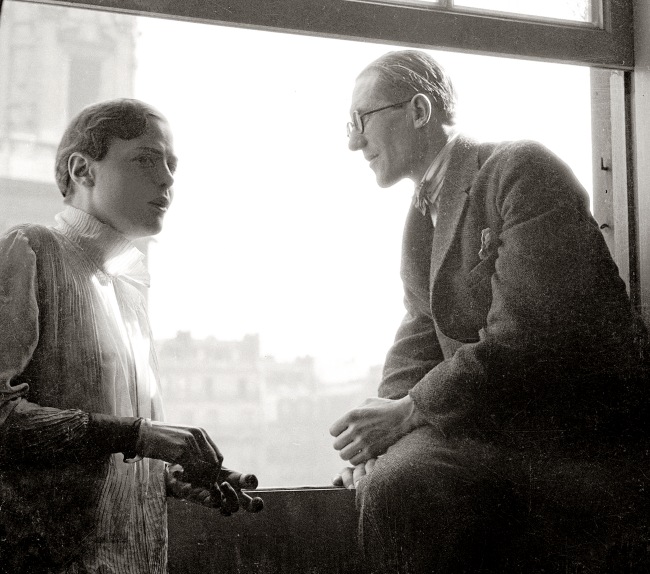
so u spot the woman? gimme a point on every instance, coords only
(82, 477)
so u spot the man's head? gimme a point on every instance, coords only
(402, 105)
(115, 162)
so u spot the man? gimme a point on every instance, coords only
(507, 432)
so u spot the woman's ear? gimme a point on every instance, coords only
(423, 109)
(79, 170)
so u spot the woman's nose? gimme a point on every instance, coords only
(166, 177)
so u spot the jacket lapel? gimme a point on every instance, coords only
(461, 171)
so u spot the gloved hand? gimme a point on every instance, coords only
(237, 481)
(225, 494)
(191, 447)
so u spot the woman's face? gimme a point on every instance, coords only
(132, 185)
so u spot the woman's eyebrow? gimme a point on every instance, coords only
(157, 151)
(149, 148)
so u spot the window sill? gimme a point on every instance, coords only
(300, 530)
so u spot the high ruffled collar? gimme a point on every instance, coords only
(111, 251)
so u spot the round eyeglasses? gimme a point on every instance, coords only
(357, 123)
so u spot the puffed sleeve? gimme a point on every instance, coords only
(18, 316)
(29, 432)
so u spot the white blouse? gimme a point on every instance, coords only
(76, 340)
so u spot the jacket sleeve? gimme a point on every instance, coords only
(30, 433)
(414, 353)
(559, 312)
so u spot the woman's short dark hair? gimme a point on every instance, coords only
(93, 129)
(405, 73)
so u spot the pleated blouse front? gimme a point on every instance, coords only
(76, 337)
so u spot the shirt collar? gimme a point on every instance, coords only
(111, 251)
(427, 191)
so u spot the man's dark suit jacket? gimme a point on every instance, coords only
(517, 319)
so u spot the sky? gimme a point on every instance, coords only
(276, 227)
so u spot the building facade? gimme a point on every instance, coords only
(266, 416)
(53, 62)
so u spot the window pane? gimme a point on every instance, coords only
(275, 283)
(577, 10)
(423, 3)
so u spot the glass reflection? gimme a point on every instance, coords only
(574, 10)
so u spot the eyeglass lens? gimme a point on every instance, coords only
(356, 123)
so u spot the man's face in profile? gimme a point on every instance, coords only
(387, 134)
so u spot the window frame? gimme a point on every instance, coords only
(609, 46)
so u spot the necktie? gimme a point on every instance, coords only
(427, 191)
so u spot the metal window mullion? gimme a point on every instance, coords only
(641, 116)
(601, 140)
(625, 204)
(597, 14)
(621, 170)
(613, 184)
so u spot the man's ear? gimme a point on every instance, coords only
(423, 110)
(79, 168)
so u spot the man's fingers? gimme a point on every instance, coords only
(351, 452)
(346, 477)
(343, 440)
(358, 459)
(339, 426)
(350, 476)
(359, 471)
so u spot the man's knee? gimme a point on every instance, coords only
(438, 492)
(422, 476)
